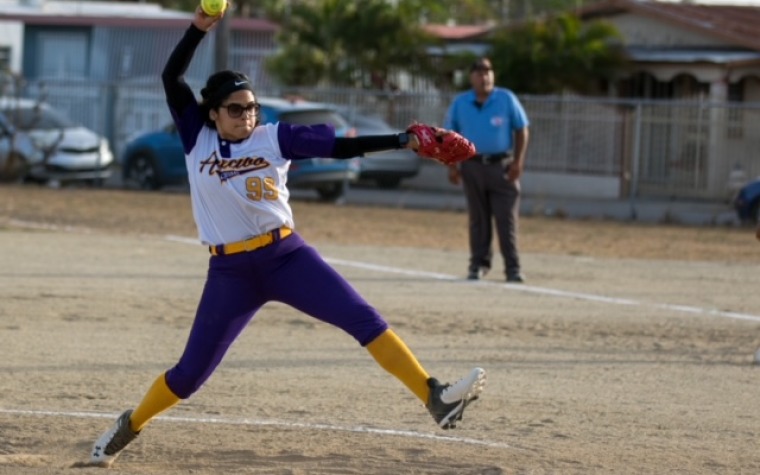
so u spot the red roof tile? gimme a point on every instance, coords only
(458, 32)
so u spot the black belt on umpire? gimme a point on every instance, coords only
(487, 158)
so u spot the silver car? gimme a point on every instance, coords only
(16, 152)
(388, 168)
(65, 151)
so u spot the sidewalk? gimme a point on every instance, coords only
(431, 190)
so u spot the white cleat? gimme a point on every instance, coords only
(447, 402)
(109, 445)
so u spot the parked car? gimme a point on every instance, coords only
(16, 152)
(156, 159)
(64, 150)
(747, 202)
(388, 168)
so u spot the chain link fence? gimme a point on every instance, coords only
(680, 150)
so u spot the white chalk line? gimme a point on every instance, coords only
(552, 292)
(393, 270)
(246, 421)
(700, 311)
(529, 288)
(270, 423)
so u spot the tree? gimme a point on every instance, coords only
(348, 43)
(558, 54)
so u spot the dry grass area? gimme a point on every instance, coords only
(169, 213)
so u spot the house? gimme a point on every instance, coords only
(706, 58)
(686, 50)
(100, 62)
(682, 122)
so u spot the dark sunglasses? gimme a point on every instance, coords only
(236, 110)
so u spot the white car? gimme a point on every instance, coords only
(16, 152)
(66, 151)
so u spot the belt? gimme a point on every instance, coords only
(489, 157)
(250, 244)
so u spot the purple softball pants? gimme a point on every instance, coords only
(238, 285)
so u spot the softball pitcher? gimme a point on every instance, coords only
(237, 171)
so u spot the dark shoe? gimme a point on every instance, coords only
(477, 274)
(515, 278)
(447, 402)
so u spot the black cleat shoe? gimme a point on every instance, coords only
(447, 402)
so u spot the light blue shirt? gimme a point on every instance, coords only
(490, 126)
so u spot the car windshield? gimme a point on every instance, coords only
(36, 118)
(313, 117)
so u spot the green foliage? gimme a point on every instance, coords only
(556, 55)
(347, 43)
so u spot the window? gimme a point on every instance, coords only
(5, 58)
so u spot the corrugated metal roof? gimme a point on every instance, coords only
(732, 23)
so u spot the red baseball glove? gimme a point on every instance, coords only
(444, 146)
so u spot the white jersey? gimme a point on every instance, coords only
(241, 196)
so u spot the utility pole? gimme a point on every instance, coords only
(222, 45)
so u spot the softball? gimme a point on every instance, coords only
(213, 7)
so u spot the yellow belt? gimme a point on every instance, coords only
(251, 244)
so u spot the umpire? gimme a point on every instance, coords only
(495, 121)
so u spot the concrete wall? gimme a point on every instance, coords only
(12, 35)
(570, 186)
(434, 177)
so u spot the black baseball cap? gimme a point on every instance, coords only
(481, 64)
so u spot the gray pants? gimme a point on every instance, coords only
(490, 196)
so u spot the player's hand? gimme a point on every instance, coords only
(204, 22)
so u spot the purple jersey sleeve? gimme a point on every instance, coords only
(305, 141)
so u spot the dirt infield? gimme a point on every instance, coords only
(629, 351)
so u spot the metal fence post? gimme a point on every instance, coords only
(633, 189)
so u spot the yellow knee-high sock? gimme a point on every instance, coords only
(392, 354)
(158, 399)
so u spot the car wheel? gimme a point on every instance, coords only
(13, 170)
(330, 191)
(754, 213)
(388, 183)
(142, 171)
